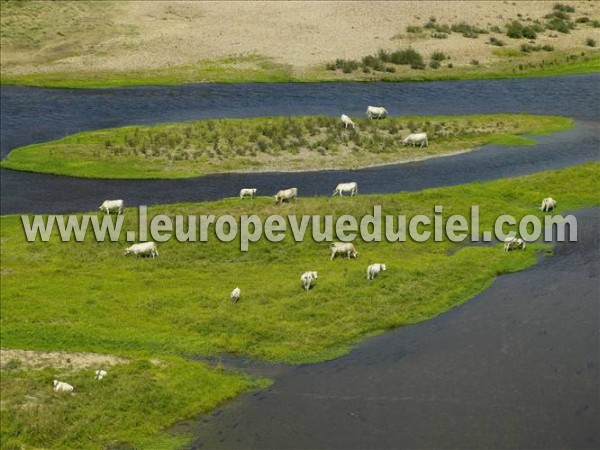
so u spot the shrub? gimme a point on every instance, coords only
(330, 66)
(408, 56)
(414, 29)
(347, 65)
(495, 29)
(383, 55)
(590, 42)
(373, 62)
(582, 20)
(596, 23)
(497, 42)
(467, 30)
(450, 66)
(474, 62)
(514, 30)
(529, 33)
(557, 15)
(434, 64)
(548, 48)
(438, 56)
(564, 8)
(439, 35)
(390, 69)
(560, 25)
(418, 65)
(526, 48)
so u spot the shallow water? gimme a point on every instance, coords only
(30, 115)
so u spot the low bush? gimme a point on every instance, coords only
(438, 56)
(564, 8)
(467, 30)
(497, 42)
(414, 29)
(590, 42)
(517, 30)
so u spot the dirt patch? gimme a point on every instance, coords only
(30, 359)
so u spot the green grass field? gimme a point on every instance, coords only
(273, 143)
(88, 296)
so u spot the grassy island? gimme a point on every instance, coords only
(190, 149)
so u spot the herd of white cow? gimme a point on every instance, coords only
(379, 112)
(308, 279)
(344, 249)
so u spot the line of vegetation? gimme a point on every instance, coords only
(53, 298)
(259, 144)
(232, 70)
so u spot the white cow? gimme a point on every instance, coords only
(286, 195)
(415, 139)
(548, 204)
(143, 249)
(60, 386)
(514, 244)
(347, 121)
(376, 112)
(349, 188)
(247, 193)
(308, 280)
(343, 248)
(101, 374)
(374, 269)
(112, 205)
(235, 294)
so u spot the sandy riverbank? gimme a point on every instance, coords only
(71, 37)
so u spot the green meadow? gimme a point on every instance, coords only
(181, 150)
(88, 296)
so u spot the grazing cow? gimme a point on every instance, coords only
(415, 139)
(376, 112)
(60, 386)
(308, 280)
(101, 374)
(349, 188)
(235, 294)
(514, 244)
(347, 121)
(247, 193)
(286, 195)
(343, 248)
(374, 269)
(112, 205)
(548, 204)
(143, 249)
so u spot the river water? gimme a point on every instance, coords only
(30, 115)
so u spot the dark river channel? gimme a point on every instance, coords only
(516, 367)
(30, 115)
